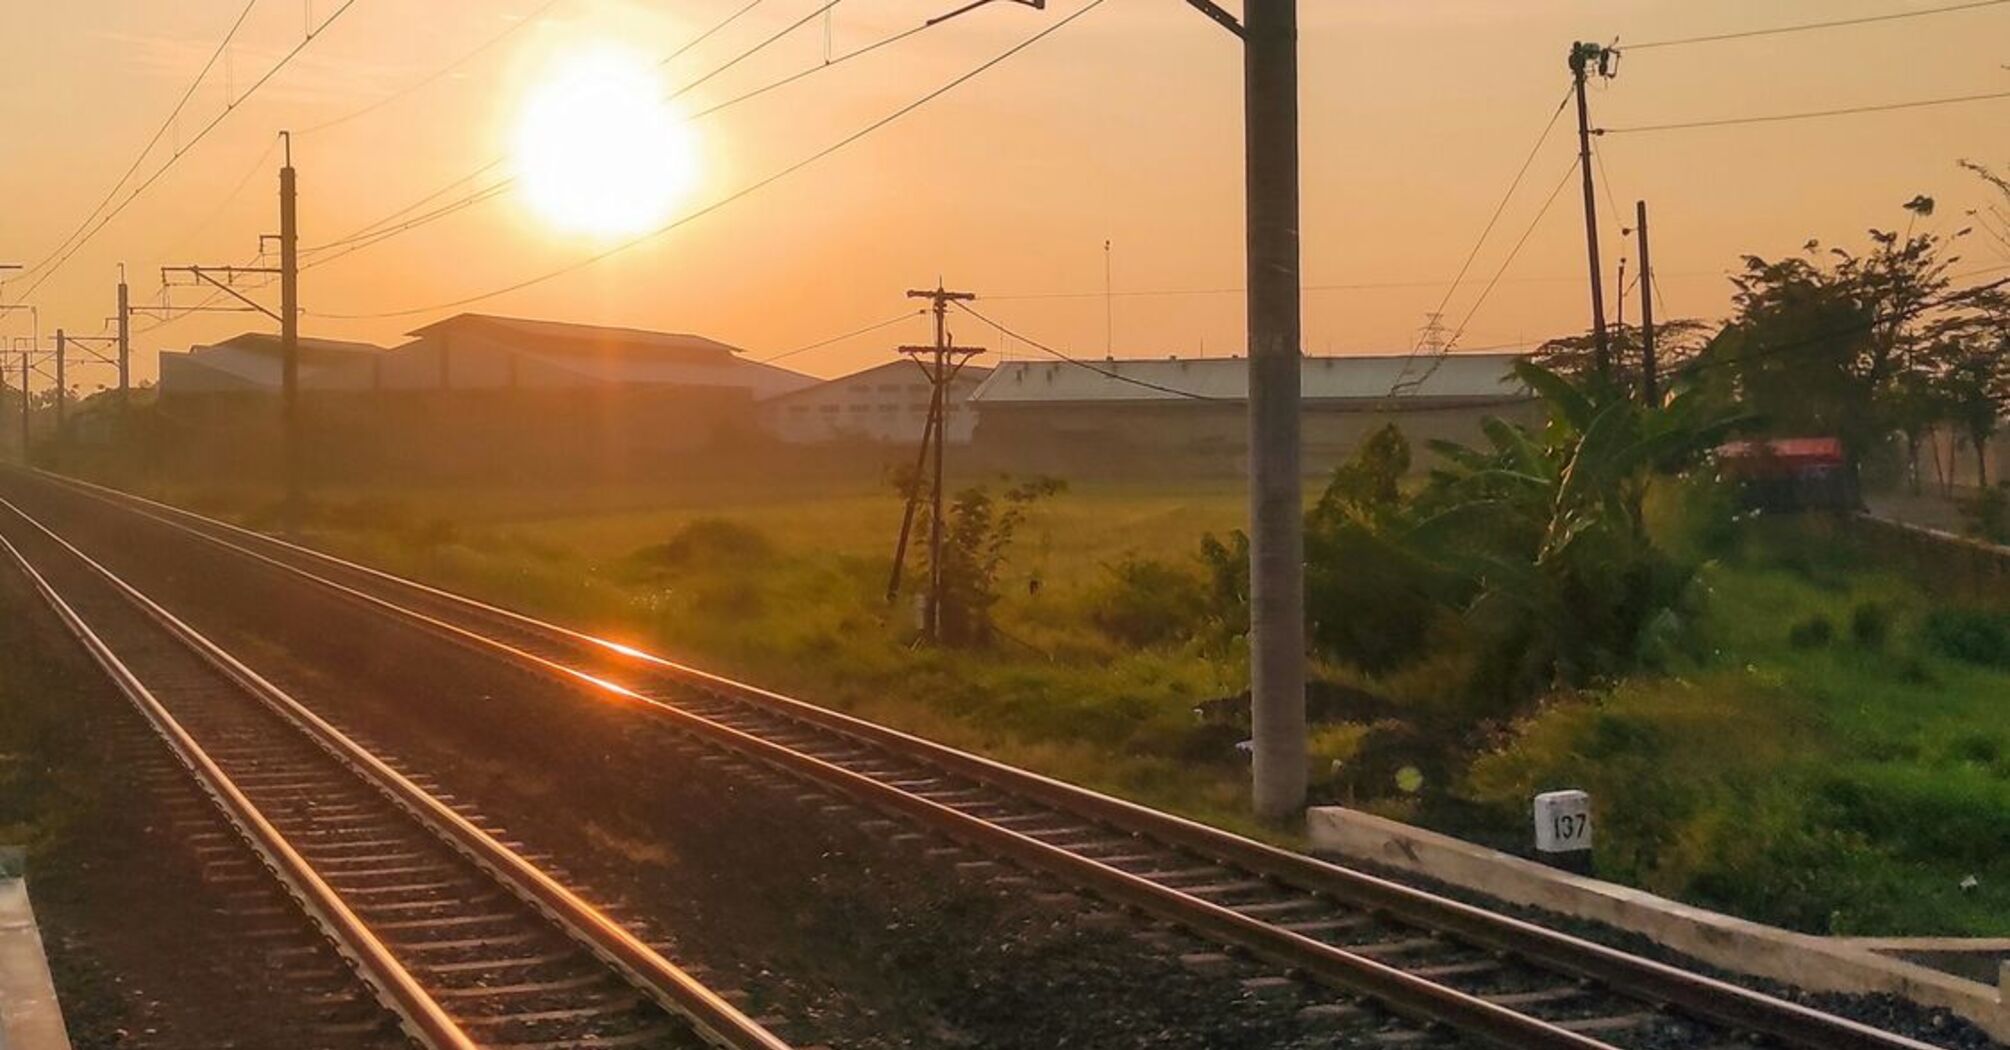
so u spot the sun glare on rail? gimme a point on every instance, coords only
(598, 151)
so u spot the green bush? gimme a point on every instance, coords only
(1870, 625)
(707, 541)
(1812, 633)
(1143, 601)
(1974, 635)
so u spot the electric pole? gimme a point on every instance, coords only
(289, 332)
(946, 361)
(125, 340)
(1109, 307)
(224, 279)
(62, 383)
(24, 406)
(1583, 58)
(1650, 389)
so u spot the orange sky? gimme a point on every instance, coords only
(1124, 126)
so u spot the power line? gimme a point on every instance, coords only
(1459, 332)
(371, 230)
(257, 165)
(707, 34)
(527, 20)
(1492, 221)
(1805, 26)
(1079, 363)
(744, 191)
(1778, 117)
(229, 108)
(153, 141)
(819, 344)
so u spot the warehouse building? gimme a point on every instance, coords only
(251, 363)
(486, 352)
(886, 403)
(1185, 416)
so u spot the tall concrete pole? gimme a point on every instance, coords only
(289, 335)
(1276, 514)
(62, 380)
(125, 340)
(1581, 55)
(24, 406)
(1650, 383)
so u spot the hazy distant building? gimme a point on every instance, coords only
(1182, 415)
(485, 352)
(250, 363)
(885, 403)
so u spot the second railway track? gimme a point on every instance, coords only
(1420, 955)
(465, 941)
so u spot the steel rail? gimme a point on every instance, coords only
(1701, 996)
(396, 988)
(714, 1019)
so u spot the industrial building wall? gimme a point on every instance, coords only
(1170, 440)
(886, 404)
(449, 435)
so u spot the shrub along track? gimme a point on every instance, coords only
(1421, 956)
(468, 943)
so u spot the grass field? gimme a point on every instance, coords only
(1846, 778)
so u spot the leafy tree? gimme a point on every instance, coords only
(1819, 342)
(1977, 386)
(1676, 343)
(1369, 601)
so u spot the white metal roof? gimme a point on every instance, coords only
(1366, 377)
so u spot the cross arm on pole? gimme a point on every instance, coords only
(201, 273)
(1219, 14)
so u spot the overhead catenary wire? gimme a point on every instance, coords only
(744, 191)
(154, 140)
(821, 343)
(1803, 27)
(181, 150)
(1108, 373)
(514, 27)
(1774, 118)
(1492, 221)
(237, 190)
(490, 191)
(1458, 333)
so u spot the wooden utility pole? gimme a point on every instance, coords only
(1583, 58)
(1650, 383)
(289, 332)
(945, 361)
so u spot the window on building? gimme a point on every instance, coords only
(828, 409)
(889, 388)
(799, 410)
(889, 406)
(858, 408)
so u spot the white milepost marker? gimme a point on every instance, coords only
(1563, 830)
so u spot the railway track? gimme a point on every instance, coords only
(467, 943)
(1425, 957)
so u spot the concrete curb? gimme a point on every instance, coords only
(30, 1016)
(1817, 964)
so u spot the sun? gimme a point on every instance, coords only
(598, 151)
